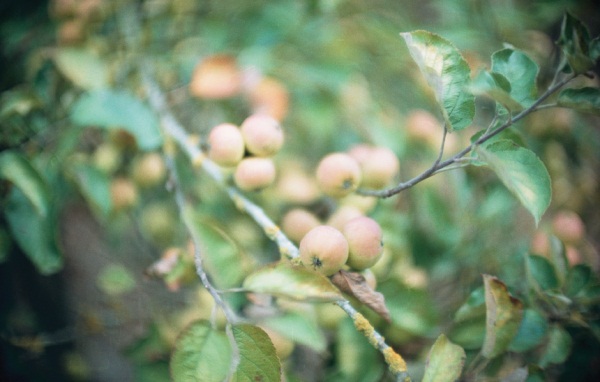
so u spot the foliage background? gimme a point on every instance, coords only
(350, 80)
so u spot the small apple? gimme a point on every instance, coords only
(226, 145)
(254, 173)
(364, 242)
(262, 134)
(338, 174)
(297, 222)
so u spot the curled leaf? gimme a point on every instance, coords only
(354, 284)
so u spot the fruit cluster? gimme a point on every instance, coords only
(249, 149)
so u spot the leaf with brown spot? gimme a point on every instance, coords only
(354, 284)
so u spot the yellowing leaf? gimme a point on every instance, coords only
(444, 362)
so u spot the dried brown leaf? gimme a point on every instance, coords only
(354, 284)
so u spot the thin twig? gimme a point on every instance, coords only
(437, 166)
(173, 129)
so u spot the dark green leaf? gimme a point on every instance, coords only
(577, 279)
(19, 171)
(542, 272)
(531, 332)
(447, 73)
(4, 245)
(33, 234)
(444, 362)
(83, 68)
(503, 317)
(201, 354)
(258, 359)
(520, 71)
(411, 309)
(495, 86)
(297, 282)
(558, 258)
(522, 172)
(298, 328)
(575, 43)
(583, 99)
(558, 347)
(118, 109)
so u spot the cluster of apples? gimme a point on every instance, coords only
(249, 149)
(349, 238)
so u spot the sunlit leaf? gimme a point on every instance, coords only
(444, 362)
(218, 251)
(447, 73)
(298, 328)
(522, 172)
(297, 282)
(34, 235)
(503, 317)
(495, 86)
(531, 332)
(18, 170)
(258, 359)
(542, 272)
(118, 109)
(201, 354)
(82, 67)
(575, 43)
(558, 347)
(583, 99)
(520, 71)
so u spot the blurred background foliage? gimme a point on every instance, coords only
(89, 310)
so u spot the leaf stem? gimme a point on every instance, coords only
(439, 165)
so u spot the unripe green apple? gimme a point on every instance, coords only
(262, 134)
(364, 242)
(379, 165)
(107, 158)
(338, 174)
(149, 170)
(324, 249)
(254, 173)
(297, 222)
(226, 145)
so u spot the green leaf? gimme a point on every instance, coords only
(473, 307)
(356, 359)
(219, 252)
(522, 172)
(411, 309)
(258, 359)
(82, 67)
(520, 71)
(578, 278)
(575, 43)
(447, 73)
(495, 86)
(583, 99)
(470, 333)
(201, 354)
(503, 317)
(542, 272)
(531, 332)
(300, 329)
(558, 347)
(19, 171)
(444, 362)
(94, 185)
(115, 279)
(33, 234)
(118, 109)
(284, 279)
(558, 258)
